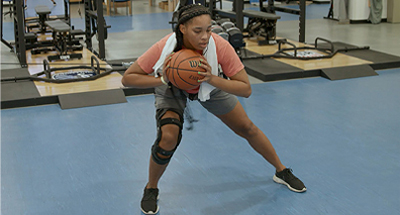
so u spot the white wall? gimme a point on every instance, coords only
(358, 9)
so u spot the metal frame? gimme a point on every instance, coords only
(94, 67)
(271, 8)
(19, 32)
(301, 12)
(328, 52)
(5, 42)
(95, 25)
(237, 16)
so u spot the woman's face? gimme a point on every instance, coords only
(196, 32)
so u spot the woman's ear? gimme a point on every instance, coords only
(182, 27)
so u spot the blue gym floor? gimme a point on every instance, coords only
(340, 137)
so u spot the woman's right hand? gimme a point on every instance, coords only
(166, 66)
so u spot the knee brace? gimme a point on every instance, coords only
(156, 149)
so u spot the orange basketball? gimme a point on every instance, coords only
(184, 68)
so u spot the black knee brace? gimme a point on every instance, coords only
(156, 149)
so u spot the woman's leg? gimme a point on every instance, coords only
(240, 123)
(168, 142)
(168, 138)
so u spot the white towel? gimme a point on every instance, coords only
(210, 55)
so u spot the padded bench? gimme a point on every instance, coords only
(260, 14)
(61, 35)
(262, 23)
(43, 12)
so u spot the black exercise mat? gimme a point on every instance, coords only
(380, 60)
(11, 91)
(94, 98)
(271, 70)
(339, 73)
(19, 72)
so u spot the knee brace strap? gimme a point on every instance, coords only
(156, 149)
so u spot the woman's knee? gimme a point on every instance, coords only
(170, 130)
(247, 129)
(169, 137)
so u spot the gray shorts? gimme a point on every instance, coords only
(220, 102)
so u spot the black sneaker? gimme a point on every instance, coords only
(287, 178)
(149, 201)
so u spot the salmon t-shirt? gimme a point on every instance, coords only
(227, 57)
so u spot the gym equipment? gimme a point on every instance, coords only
(11, 12)
(216, 29)
(49, 75)
(60, 31)
(235, 37)
(24, 40)
(227, 30)
(10, 5)
(271, 8)
(183, 69)
(297, 53)
(266, 14)
(262, 24)
(43, 12)
(95, 24)
(224, 35)
(227, 25)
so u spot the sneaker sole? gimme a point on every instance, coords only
(152, 213)
(280, 181)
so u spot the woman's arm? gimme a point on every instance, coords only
(136, 77)
(238, 84)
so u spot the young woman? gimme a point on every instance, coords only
(216, 94)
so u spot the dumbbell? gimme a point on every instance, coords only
(216, 29)
(235, 37)
(227, 25)
(224, 35)
(220, 21)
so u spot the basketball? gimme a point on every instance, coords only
(183, 69)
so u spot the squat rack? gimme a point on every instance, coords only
(94, 24)
(239, 17)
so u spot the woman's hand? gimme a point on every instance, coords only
(207, 74)
(166, 65)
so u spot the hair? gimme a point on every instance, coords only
(185, 14)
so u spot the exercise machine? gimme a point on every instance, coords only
(322, 48)
(95, 25)
(85, 73)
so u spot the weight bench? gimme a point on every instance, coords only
(263, 24)
(43, 12)
(61, 36)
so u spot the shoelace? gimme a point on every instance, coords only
(288, 174)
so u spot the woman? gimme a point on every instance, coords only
(216, 94)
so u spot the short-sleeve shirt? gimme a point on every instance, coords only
(227, 57)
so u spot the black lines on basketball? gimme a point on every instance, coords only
(184, 68)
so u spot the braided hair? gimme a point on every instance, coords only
(185, 14)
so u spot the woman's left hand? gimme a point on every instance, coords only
(207, 74)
